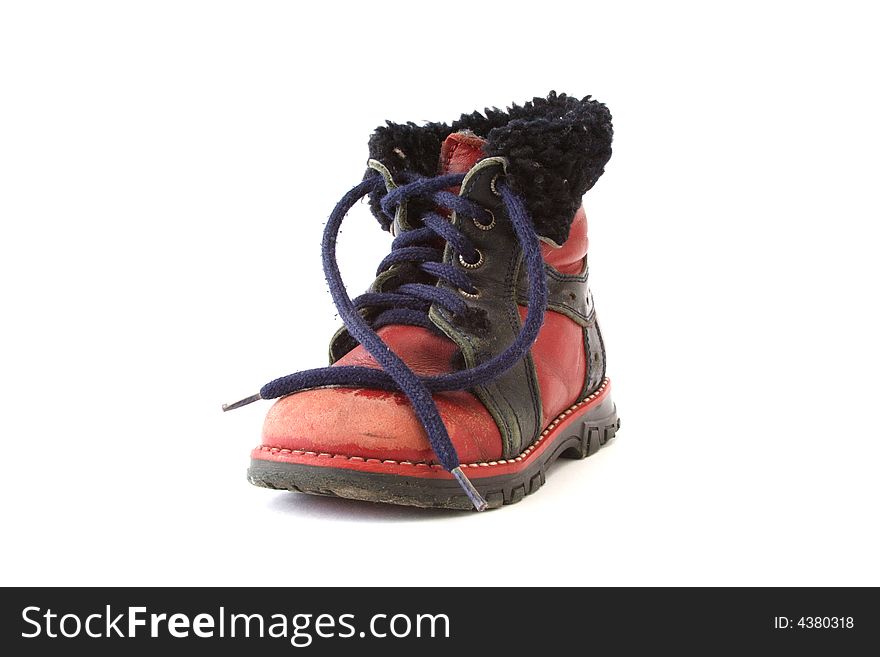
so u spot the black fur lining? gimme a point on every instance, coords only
(556, 147)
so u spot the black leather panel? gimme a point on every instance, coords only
(567, 293)
(513, 399)
(594, 348)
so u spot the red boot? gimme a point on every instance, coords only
(475, 359)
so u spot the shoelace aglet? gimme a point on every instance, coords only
(241, 402)
(479, 502)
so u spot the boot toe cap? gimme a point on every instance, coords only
(374, 424)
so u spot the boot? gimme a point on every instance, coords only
(475, 359)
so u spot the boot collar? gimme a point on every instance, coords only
(555, 147)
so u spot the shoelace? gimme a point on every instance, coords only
(409, 304)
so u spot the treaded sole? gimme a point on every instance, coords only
(577, 440)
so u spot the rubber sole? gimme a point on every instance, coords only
(575, 434)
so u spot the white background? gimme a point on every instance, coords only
(166, 169)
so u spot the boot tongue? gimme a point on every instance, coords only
(460, 152)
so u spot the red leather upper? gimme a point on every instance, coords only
(560, 363)
(382, 425)
(569, 258)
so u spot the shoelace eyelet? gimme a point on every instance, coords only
(493, 184)
(472, 265)
(488, 226)
(469, 295)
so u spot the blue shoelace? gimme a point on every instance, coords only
(409, 303)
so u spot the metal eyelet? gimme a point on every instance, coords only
(470, 295)
(493, 185)
(471, 265)
(488, 226)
